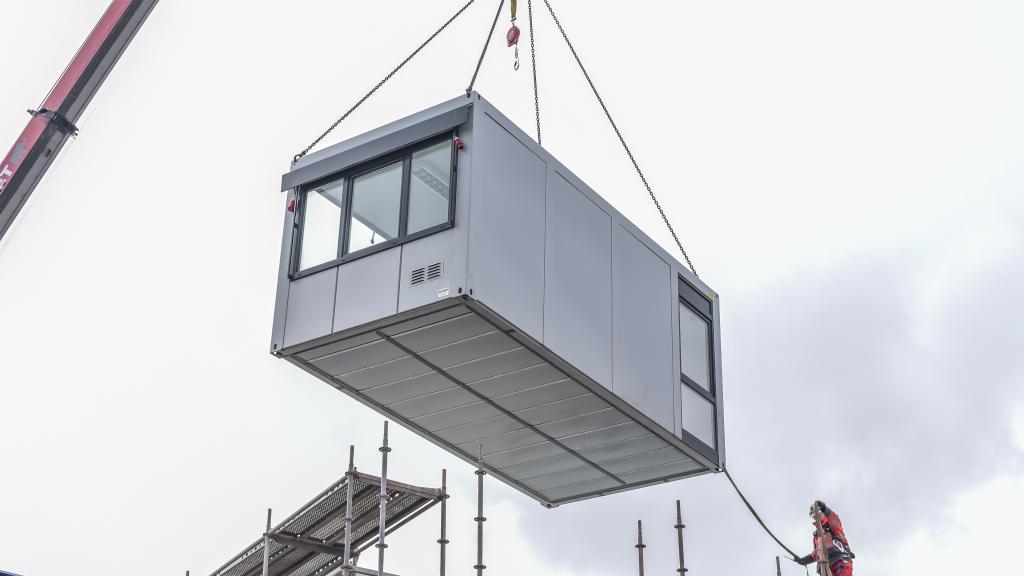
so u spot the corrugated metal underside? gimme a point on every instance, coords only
(466, 380)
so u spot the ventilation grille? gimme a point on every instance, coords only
(426, 274)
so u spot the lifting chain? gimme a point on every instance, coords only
(382, 82)
(533, 61)
(513, 40)
(483, 52)
(629, 153)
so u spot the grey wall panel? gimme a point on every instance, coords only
(642, 307)
(367, 289)
(281, 304)
(578, 280)
(483, 107)
(446, 248)
(507, 226)
(677, 360)
(310, 307)
(719, 391)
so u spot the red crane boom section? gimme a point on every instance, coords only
(54, 123)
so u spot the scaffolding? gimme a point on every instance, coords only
(640, 546)
(327, 535)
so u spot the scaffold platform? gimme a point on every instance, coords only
(311, 542)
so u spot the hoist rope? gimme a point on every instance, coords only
(533, 61)
(382, 82)
(629, 153)
(757, 517)
(483, 52)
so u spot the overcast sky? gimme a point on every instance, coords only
(847, 175)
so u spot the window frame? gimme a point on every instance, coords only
(700, 305)
(349, 176)
(300, 222)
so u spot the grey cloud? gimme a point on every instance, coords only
(835, 389)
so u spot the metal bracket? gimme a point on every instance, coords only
(59, 120)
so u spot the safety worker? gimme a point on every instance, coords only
(840, 556)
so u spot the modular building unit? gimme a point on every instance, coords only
(448, 272)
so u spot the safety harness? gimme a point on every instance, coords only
(834, 526)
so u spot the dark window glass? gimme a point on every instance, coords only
(376, 207)
(698, 416)
(321, 224)
(698, 404)
(410, 194)
(430, 187)
(694, 346)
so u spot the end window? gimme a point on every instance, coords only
(376, 205)
(430, 187)
(376, 208)
(698, 416)
(695, 347)
(321, 224)
(698, 408)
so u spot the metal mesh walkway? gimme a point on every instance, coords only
(311, 541)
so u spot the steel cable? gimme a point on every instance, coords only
(382, 82)
(629, 153)
(668, 224)
(533, 60)
(483, 52)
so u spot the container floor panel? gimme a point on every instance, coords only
(468, 381)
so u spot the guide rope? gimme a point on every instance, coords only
(629, 153)
(533, 60)
(757, 517)
(382, 82)
(483, 52)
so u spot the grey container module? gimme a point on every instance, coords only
(448, 272)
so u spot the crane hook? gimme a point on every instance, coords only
(513, 36)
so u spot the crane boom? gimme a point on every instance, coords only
(54, 122)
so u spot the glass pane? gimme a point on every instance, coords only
(694, 336)
(430, 187)
(698, 416)
(321, 225)
(376, 203)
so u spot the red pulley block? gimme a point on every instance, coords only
(291, 206)
(513, 36)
